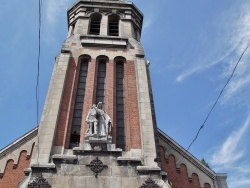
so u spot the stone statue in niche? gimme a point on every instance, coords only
(98, 121)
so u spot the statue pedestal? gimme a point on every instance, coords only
(98, 144)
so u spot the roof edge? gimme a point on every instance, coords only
(189, 156)
(18, 142)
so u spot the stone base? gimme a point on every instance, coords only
(98, 144)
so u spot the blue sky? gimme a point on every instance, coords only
(192, 46)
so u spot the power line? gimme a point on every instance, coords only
(38, 64)
(230, 77)
(38, 71)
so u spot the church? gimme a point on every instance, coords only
(98, 127)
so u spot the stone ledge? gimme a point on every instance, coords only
(134, 161)
(66, 157)
(148, 170)
(44, 166)
(69, 159)
(100, 41)
(80, 151)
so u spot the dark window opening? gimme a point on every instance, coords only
(113, 25)
(72, 29)
(77, 115)
(120, 123)
(95, 22)
(101, 79)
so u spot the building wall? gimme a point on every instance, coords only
(131, 115)
(178, 176)
(183, 169)
(15, 158)
(14, 173)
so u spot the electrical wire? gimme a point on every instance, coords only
(38, 71)
(229, 79)
(38, 65)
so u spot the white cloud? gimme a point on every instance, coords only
(203, 66)
(230, 151)
(54, 11)
(230, 155)
(236, 182)
(239, 85)
(226, 49)
(54, 8)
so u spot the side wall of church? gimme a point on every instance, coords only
(14, 173)
(184, 170)
(178, 175)
(15, 158)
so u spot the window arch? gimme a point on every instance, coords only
(101, 79)
(119, 104)
(113, 25)
(95, 22)
(79, 101)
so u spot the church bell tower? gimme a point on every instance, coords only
(98, 125)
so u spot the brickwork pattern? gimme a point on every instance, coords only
(14, 173)
(133, 133)
(109, 94)
(89, 95)
(66, 106)
(132, 124)
(179, 176)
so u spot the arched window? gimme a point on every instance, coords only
(78, 108)
(120, 121)
(95, 22)
(101, 80)
(113, 25)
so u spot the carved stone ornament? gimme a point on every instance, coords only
(96, 166)
(39, 182)
(150, 184)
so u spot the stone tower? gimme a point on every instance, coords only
(98, 126)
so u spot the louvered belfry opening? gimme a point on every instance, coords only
(120, 122)
(77, 115)
(101, 79)
(113, 25)
(95, 22)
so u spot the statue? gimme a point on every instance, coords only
(92, 121)
(99, 122)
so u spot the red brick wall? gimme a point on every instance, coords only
(110, 93)
(132, 122)
(179, 177)
(133, 139)
(13, 174)
(89, 98)
(66, 106)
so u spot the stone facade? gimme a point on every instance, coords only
(104, 31)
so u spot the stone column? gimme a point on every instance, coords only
(146, 120)
(47, 127)
(104, 26)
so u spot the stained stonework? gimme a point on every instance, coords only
(96, 166)
(132, 152)
(150, 184)
(39, 181)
